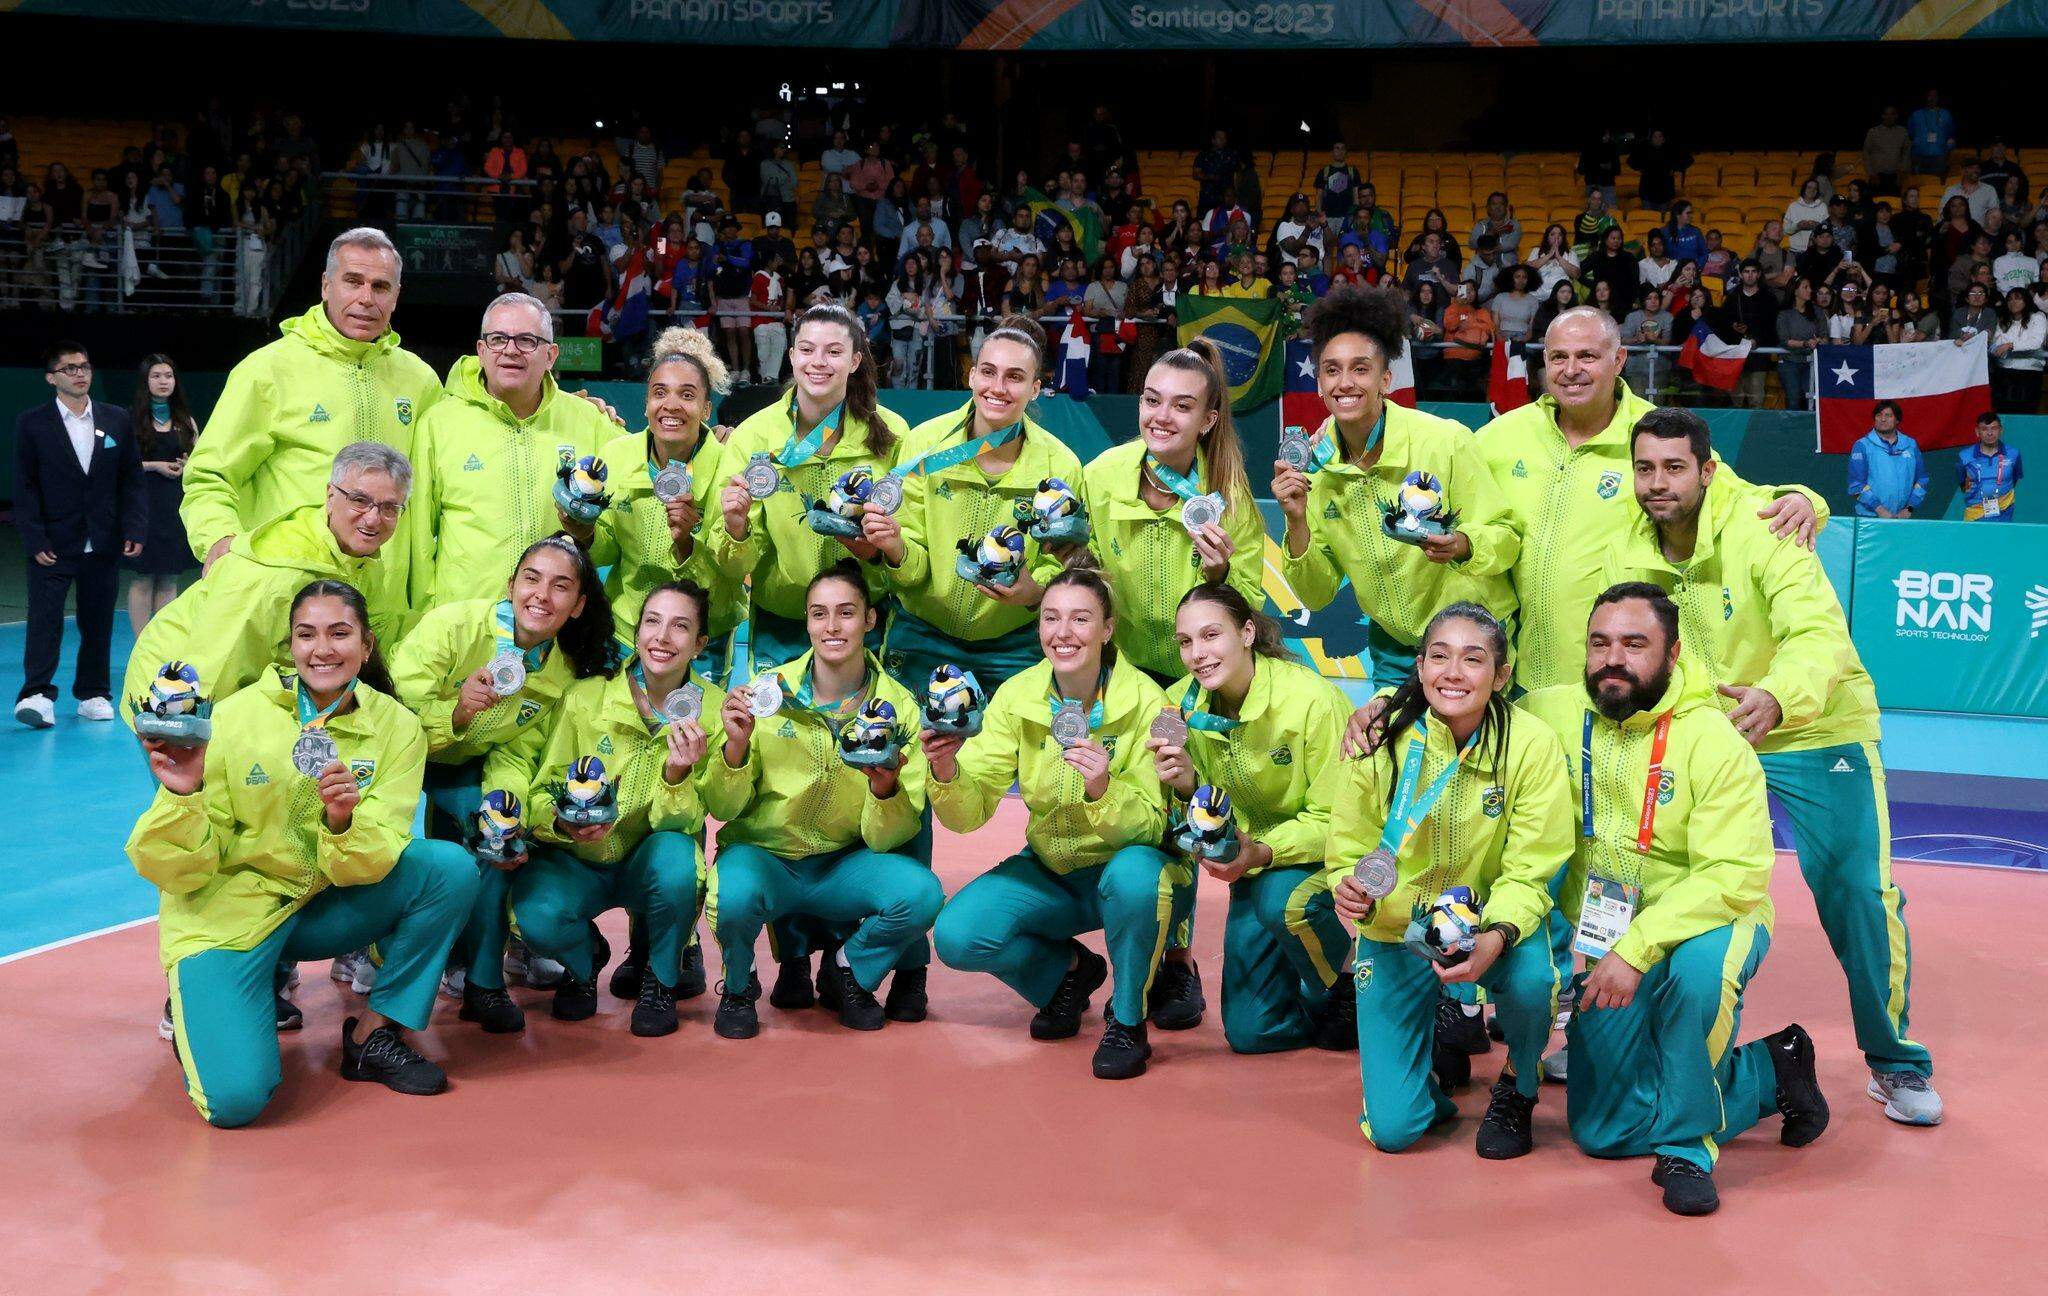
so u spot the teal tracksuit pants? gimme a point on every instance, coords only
(1017, 921)
(556, 897)
(884, 901)
(1398, 992)
(1841, 825)
(454, 795)
(1392, 661)
(1284, 947)
(1663, 1075)
(223, 1015)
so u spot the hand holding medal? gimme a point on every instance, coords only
(1168, 742)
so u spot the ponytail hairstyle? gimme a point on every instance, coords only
(860, 384)
(1084, 571)
(690, 590)
(1266, 633)
(1225, 472)
(1021, 329)
(373, 672)
(692, 347)
(1408, 704)
(586, 638)
(847, 569)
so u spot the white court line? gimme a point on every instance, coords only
(73, 940)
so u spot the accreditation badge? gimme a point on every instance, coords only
(1604, 915)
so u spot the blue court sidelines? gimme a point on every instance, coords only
(77, 789)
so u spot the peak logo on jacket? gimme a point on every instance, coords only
(319, 414)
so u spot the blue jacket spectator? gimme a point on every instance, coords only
(1887, 473)
(1933, 132)
(1987, 473)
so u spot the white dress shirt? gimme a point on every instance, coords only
(79, 427)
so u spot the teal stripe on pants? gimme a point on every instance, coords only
(1016, 920)
(1397, 993)
(556, 897)
(888, 902)
(222, 1000)
(1283, 948)
(1841, 824)
(1663, 1075)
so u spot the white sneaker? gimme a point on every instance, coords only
(536, 970)
(95, 709)
(343, 969)
(35, 711)
(91, 262)
(452, 983)
(1555, 1066)
(164, 1029)
(365, 978)
(1908, 1097)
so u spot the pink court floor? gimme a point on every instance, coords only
(960, 1156)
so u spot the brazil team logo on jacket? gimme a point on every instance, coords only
(1727, 604)
(364, 770)
(1667, 786)
(1609, 486)
(404, 407)
(1493, 801)
(1283, 755)
(528, 709)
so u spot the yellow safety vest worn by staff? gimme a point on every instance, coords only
(634, 542)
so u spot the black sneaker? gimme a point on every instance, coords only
(1458, 1029)
(1451, 1063)
(654, 1013)
(289, 1018)
(1493, 1030)
(1504, 1133)
(858, 1009)
(1176, 1001)
(388, 1060)
(626, 976)
(829, 997)
(1061, 1017)
(736, 1018)
(1338, 1031)
(691, 982)
(491, 1009)
(1800, 1101)
(792, 991)
(577, 1000)
(1688, 1190)
(1122, 1053)
(907, 1001)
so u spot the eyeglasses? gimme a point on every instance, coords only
(364, 504)
(523, 343)
(74, 370)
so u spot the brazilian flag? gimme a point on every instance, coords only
(1047, 216)
(1247, 331)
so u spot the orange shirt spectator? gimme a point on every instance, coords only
(1469, 327)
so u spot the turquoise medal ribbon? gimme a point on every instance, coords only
(534, 656)
(1054, 702)
(802, 449)
(312, 717)
(1182, 485)
(1206, 721)
(1409, 810)
(939, 460)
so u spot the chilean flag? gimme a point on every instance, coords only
(626, 317)
(1940, 389)
(1074, 349)
(1301, 405)
(1508, 388)
(1713, 362)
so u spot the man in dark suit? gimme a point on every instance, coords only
(80, 507)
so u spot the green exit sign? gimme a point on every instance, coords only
(580, 355)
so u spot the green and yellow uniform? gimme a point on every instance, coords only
(1085, 865)
(1502, 826)
(805, 834)
(1759, 613)
(634, 543)
(941, 618)
(287, 410)
(1284, 948)
(491, 490)
(1663, 1075)
(250, 875)
(1150, 559)
(781, 552)
(650, 863)
(1399, 589)
(236, 619)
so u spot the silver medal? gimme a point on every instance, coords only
(887, 494)
(1201, 511)
(1171, 728)
(1295, 451)
(1377, 874)
(672, 483)
(685, 703)
(764, 696)
(314, 752)
(761, 477)
(508, 673)
(1070, 724)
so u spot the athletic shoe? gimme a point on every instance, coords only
(491, 1009)
(91, 262)
(792, 992)
(363, 976)
(626, 976)
(1451, 1066)
(577, 1000)
(453, 984)
(35, 711)
(1462, 1027)
(1338, 1031)
(1176, 1001)
(907, 1001)
(736, 1017)
(95, 708)
(388, 1060)
(343, 968)
(691, 982)
(858, 1009)
(828, 979)
(1554, 1066)
(654, 1011)
(1122, 1053)
(1061, 1017)
(1800, 1101)
(164, 1029)
(291, 980)
(1505, 1133)
(289, 1018)
(1688, 1189)
(536, 970)
(1908, 1096)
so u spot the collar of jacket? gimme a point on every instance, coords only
(1256, 698)
(1628, 408)
(280, 688)
(1124, 465)
(1440, 744)
(618, 707)
(302, 538)
(1034, 460)
(1119, 701)
(315, 330)
(466, 383)
(1897, 446)
(1680, 696)
(1716, 511)
(1397, 442)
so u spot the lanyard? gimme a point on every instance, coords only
(1410, 810)
(1180, 484)
(1646, 823)
(1054, 700)
(831, 706)
(801, 450)
(1326, 448)
(939, 460)
(533, 656)
(311, 717)
(1206, 721)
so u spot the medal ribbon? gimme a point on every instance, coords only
(1053, 701)
(831, 706)
(1324, 446)
(1646, 823)
(1409, 810)
(1186, 487)
(533, 656)
(654, 468)
(939, 460)
(1206, 721)
(801, 450)
(311, 717)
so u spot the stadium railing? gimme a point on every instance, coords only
(356, 196)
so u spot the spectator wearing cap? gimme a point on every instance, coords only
(773, 241)
(1988, 473)
(1301, 228)
(1886, 149)
(1500, 222)
(1887, 473)
(1933, 131)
